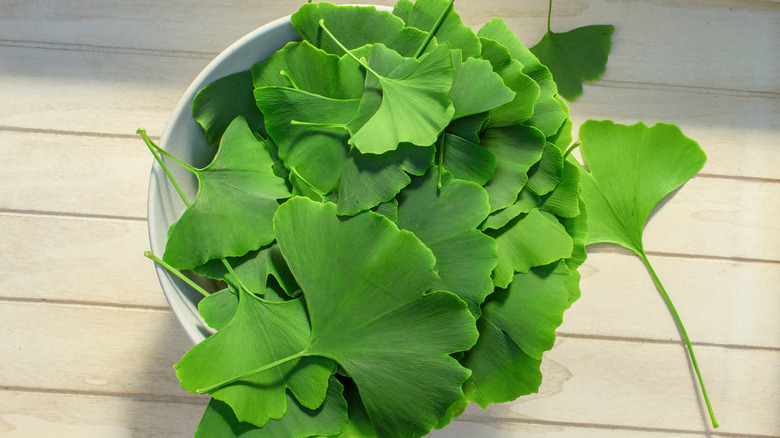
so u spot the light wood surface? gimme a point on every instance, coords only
(88, 341)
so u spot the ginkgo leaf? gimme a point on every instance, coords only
(517, 326)
(516, 149)
(548, 114)
(423, 15)
(364, 282)
(446, 221)
(476, 88)
(577, 56)
(358, 425)
(217, 104)
(236, 200)
(547, 173)
(529, 240)
(313, 147)
(468, 161)
(631, 169)
(253, 269)
(261, 332)
(370, 179)
(219, 420)
(469, 127)
(218, 308)
(511, 71)
(355, 26)
(563, 201)
(310, 69)
(526, 201)
(414, 109)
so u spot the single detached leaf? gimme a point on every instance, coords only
(219, 420)
(476, 88)
(316, 150)
(310, 69)
(364, 282)
(414, 108)
(446, 221)
(423, 15)
(533, 239)
(576, 56)
(236, 200)
(516, 149)
(369, 179)
(354, 27)
(261, 332)
(548, 114)
(468, 161)
(217, 104)
(632, 168)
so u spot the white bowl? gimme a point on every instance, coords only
(184, 138)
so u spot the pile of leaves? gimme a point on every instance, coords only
(396, 221)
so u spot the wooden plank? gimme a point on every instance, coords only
(738, 133)
(77, 260)
(91, 91)
(73, 174)
(26, 414)
(36, 414)
(696, 44)
(720, 301)
(647, 386)
(718, 217)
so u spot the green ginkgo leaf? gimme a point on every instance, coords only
(577, 56)
(218, 308)
(310, 133)
(511, 71)
(219, 420)
(365, 282)
(631, 169)
(302, 66)
(446, 221)
(423, 15)
(253, 269)
(519, 326)
(516, 149)
(529, 240)
(466, 160)
(236, 201)
(563, 201)
(548, 114)
(469, 127)
(261, 332)
(355, 26)
(217, 104)
(414, 109)
(525, 202)
(370, 179)
(476, 88)
(547, 173)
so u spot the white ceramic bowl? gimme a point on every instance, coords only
(184, 138)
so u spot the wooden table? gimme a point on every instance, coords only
(87, 338)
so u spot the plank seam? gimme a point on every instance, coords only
(532, 421)
(86, 303)
(193, 400)
(738, 178)
(23, 130)
(65, 214)
(71, 47)
(641, 340)
(608, 83)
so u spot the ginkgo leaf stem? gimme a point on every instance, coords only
(153, 148)
(176, 272)
(192, 169)
(434, 29)
(319, 124)
(571, 149)
(549, 13)
(441, 160)
(680, 325)
(311, 186)
(322, 25)
(252, 372)
(235, 276)
(289, 79)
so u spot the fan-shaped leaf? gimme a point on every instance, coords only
(468, 161)
(217, 104)
(476, 88)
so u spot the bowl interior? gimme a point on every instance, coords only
(184, 138)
